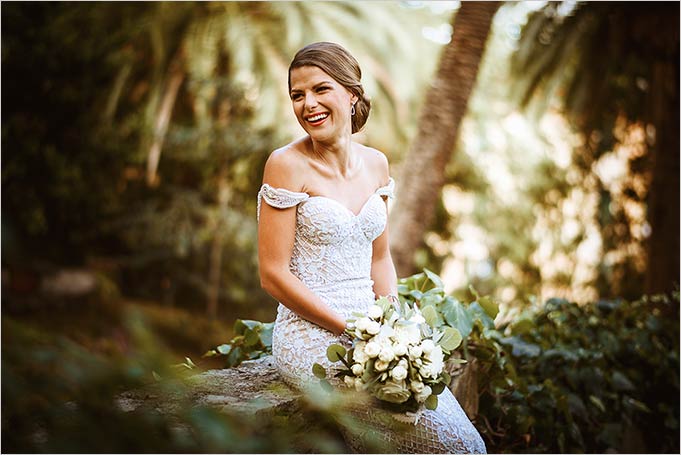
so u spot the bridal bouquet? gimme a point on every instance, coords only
(395, 356)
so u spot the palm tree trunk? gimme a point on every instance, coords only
(423, 175)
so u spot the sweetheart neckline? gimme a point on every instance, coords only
(355, 215)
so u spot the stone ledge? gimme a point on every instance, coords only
(252, 388)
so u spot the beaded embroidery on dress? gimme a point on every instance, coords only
(332, 257)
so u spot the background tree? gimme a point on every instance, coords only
(424, 166)
(617, 68)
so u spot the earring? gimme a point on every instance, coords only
(352, 111)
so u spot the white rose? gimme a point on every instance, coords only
(399, 349)
(407, 334)
(375, 312)
(359, 385)
(436, 355)
(373, 327)
(417, 318)
(386, 355)
(398, 373)
(437, 361)
(415, 352)
(372, 349)
(427, 371)
(423, 394)
(403, 362)
(349, 381)
(427, 346)
(362, 323)
(386, 331)
(380, 365)
(359, 334)
(417, 386)
(358, 354)
(357, 369)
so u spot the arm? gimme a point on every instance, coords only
(382, 267)
(276, 234)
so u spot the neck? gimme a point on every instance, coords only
(338, 156)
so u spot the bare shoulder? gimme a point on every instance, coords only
(378, 163)
(284, 168)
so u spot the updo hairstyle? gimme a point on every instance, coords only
(335, 61)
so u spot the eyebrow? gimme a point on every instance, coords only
(314, 86)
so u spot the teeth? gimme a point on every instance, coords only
(317, 117)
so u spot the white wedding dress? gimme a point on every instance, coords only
(332, 257)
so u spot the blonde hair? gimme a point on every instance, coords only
(338, 63)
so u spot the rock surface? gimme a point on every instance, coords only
(255, 388)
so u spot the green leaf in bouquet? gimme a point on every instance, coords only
(431, 402)
(446, 378)
(433, 297)
(384, 303)
(451, 338)
(437, 281)
(319, 371)
(430, 315)
(368, 371)
(402, 289)
(438, 388)
(456, 316)
(335, 353)
(416, 294)
(426, 330)
(413, 372)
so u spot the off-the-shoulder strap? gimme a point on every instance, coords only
(387, 190)
(280, 198)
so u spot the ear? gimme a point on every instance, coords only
(353, 98)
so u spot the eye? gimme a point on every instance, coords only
(323, 88)
(296, 96)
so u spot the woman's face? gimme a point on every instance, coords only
(322, 105)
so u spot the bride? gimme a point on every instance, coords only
(323, 239)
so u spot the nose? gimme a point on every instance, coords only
(310, 100)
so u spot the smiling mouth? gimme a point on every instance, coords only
(317, 119)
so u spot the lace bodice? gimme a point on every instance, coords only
(332, 255)
(332, 245)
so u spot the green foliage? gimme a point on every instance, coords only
(597, 377)
(61, 398)
(567, 377)
(441, 311)
(253, 340)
